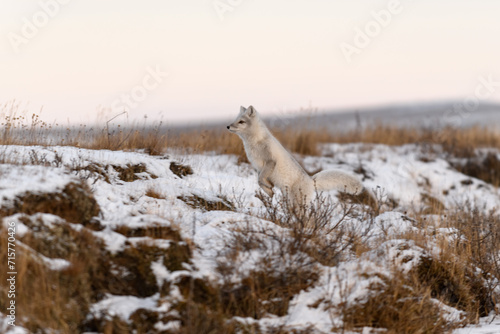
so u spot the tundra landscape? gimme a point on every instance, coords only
(249, 167)
(151, 229)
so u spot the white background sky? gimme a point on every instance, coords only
(274, 54)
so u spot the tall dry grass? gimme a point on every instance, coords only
(19, 127)
(457, 145)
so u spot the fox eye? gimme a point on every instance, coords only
(241, 122)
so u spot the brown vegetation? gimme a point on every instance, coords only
(155, 138)
(75, 203)
(401, 303)
(153, 193)
(407, 303)
(180, 170)
(398, 307)
(197, 202)
(486, 168)
(459, 270)
(63, 297)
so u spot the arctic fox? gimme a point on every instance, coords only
(278, 168)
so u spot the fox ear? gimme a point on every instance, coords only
(242, 109)
(251, 111)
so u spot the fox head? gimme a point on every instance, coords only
(243, 123)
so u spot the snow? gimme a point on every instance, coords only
(402, 175)
(398, 172)
(19, 227)
(6, 328)
(122, 306)
(17, 180)
(487, 325)
(55, 264)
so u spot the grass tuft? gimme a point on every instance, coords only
(153, 193)
(75, 203)
(197, 202)
(396, 307)
(486, 168)
(130, 173)
(180, 170)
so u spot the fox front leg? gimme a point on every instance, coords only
(267, 187)
(264, 175)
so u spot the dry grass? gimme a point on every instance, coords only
(154, 138)
(484, 167)
(289, 264)
(475, 245)
(317, 231)
(180, 170)
(461, 273)
(155, 231)
(401, 303)
(456, 141)
(209, 306)
(397, 307)
(154, 193)
(75, 203)
(62, 297)
(197, 202)
(150, 139)
(281, 273)
(130, 172)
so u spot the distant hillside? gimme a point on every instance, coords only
(429, 115)
(418, 115)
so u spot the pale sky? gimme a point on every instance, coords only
(75, 57)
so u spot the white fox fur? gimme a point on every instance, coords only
(278, 168)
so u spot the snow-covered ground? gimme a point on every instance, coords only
(400, 174)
